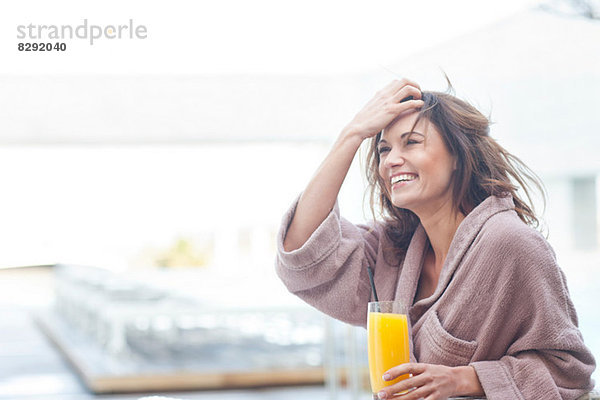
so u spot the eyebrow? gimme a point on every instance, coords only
(401, 136)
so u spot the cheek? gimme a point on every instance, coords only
(438, 172)
(445, 177)
(381, 172)
(383, 183)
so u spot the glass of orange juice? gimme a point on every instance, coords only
(387, 332)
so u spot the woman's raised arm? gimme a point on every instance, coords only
(320, 195)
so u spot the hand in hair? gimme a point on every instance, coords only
(320, 195)
(384, 107)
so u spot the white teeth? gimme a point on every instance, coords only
(403, 178)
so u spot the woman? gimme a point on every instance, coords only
(490, 310)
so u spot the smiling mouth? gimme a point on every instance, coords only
(403, 178)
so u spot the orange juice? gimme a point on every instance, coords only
(388, 346)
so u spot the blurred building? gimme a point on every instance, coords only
(96, 168)
(535, 73)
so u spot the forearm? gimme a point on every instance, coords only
(467, 381)
(321, 193)
(319, 197)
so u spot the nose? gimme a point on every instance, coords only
(395, 158)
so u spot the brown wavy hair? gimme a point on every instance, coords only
(484, 168)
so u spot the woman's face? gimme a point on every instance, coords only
(416, 166)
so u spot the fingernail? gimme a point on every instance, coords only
(382, 395)
(386, 377)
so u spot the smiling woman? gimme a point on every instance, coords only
(455, 243)
(449, 140)
(415, 168)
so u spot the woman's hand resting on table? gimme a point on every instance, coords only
(432, 382)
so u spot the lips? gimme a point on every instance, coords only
(402, 177)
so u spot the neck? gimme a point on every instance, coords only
(440, 227)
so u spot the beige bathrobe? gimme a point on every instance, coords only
(501, 304)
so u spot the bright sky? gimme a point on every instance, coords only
(236, 36)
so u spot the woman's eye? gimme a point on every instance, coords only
(383, 150)
(412, 141)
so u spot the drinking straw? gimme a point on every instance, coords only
(370, 271)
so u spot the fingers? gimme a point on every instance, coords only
(415, 387)
(412, 83)
(403, 369)
(394, 86)
(407, 95)
(407, 384)
(399, 108)
(417, 394)
(417, 380)
(429, 381)
(412, 393)
(399, 83)
(405, 92)
(384, 107)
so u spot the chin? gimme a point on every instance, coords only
(402, 203)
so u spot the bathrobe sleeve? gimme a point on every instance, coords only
(329, 271)
(533, 321)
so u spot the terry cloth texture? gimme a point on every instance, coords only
(501, 304)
